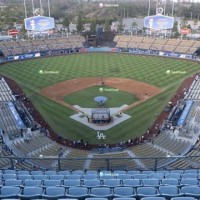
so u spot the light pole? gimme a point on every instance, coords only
(33, 6)
(25, 9)
(49, 8)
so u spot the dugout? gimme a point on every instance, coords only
(100, 115)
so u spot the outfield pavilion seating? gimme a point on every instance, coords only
(148, 40)
(169, 45)
(12, 44)
(174, 42)
(122, 44)
(116, 38)
(187, 43)
(169, 48)
(158, 47)
(160, 41)
(180, 49)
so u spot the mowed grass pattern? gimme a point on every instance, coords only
(143, 68)
(85, 98)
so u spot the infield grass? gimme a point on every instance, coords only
(143, 68)
(116, 98)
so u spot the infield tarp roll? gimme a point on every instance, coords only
(185, 112)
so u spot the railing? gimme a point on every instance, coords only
(108, 163)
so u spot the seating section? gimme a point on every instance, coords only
(22, 47)
(24, 184)
(157, 44)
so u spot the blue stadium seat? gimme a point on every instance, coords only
(91, 172)
(195, 171)
(124, 192)
(179, 171)
(170, 191)
(74, 177)
(9, 192)
(40, 177)
(111, 183)
(56, 177)
(183, 198)
(9, 176)
(50, 183)
(23, 172)
(77, 192)
(189, 181)
(9, 171)
(37, 172)
(31, 183)
(13, 182)
(132, 182)
(31, 192)
(65, 172)
(170, 181)
(71, 183)
(159, 175)
(78, 172)
(124, 198)
(132, 172)
(101, 192)
(173, 175)
(151, 182)
(153, 198)
(191, 190)
(147, 172)
(103, 177)
(54, 193)
(90, 176)
(190, 175)
(124, 176)
(140, 176)
(147, 192)
(24, 177)
(50, 172)
(119, 172)
(90, 183)
(91, 198)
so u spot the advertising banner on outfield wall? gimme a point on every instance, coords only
(22, 57)
(39, 23)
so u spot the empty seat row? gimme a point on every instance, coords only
(99, 192)
(111, 183)
(159, 176)
(100, 173)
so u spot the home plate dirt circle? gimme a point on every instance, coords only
(58, 91)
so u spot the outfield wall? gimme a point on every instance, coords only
(96, 49)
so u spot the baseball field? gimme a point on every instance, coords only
(145, 83)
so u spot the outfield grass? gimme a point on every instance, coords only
(85, 98)
(143, 68)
